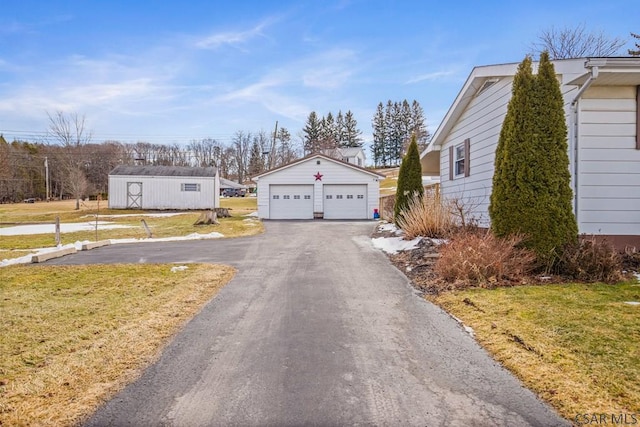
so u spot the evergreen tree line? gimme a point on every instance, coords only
(322, 134)
(393, 124)
(81, 170)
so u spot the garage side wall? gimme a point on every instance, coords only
(304, 173)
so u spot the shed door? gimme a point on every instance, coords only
(134, 195)
(290, 201)
(347, 201)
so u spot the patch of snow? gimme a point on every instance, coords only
(78, 245)
(152, 215)
(393, 245)
(27, 258)
(637, 276)
(389, 226)
(439, 242)
(179, 268)
(252, 214)
(192, 236)
(64, 228)
(632, 302)
(467, 329)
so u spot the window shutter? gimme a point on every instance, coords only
(637, 117)
(451, 163)
(467, 157)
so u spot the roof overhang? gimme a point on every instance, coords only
(318, 156)
(611, 72)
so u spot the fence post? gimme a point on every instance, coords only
(58, 241)
(146, 227)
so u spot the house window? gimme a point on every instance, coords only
(307, 197)
(359, 161)
(329, 196)
(459, 160)
(276, 197)
(360, 196)
(189, 187)
(296, 197)
(349, 196)
(339, 196)
(286, 197)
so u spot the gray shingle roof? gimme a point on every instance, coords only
(163, 171)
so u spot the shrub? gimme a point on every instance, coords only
(532, 184)
(428, 216)
(409, 179)
(481, 258)
(590, 260)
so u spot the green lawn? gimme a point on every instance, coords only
(576, 345)
(73, 336)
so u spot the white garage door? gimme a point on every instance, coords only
(290, 201)
(345, 202)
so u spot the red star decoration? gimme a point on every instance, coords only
(318, 176)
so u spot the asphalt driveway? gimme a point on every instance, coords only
(317, 328)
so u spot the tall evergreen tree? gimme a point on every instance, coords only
(351, 133)
(409, 179)
(531, 182)
(256, 161)
(418, 127)
(379, 137)
(311, 133)
(340, 129)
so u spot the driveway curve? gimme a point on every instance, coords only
(316, 328)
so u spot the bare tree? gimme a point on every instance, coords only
(636, 51)
(69, 130)
(576, 42)
(241, 144)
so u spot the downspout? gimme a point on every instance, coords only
(576, 131)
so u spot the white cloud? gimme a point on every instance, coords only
(437, 75)
(233, 38)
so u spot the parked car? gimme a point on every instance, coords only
(30, 200)
(234, 192)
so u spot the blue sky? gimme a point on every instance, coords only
(169, 71)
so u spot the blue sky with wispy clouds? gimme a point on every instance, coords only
(169, 71)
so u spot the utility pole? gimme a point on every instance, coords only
(46, 168)
(273, 147)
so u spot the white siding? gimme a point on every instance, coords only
(333, 172)
(481, 123)
(609, 163)
(164, 192)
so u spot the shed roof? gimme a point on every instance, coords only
(148, 170)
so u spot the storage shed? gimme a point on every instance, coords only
(318, 186)
(164, 187)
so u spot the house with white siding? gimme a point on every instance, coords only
(164, 187)
(601, 101)
(318, 186)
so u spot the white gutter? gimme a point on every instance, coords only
(576, 129)
(585, 86)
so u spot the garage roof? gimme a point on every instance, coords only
(322, 156)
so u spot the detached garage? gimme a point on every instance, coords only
(164, 187)
(318, 186)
